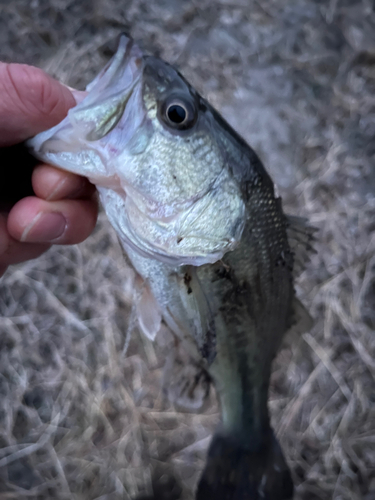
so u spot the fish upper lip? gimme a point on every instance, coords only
(121, 59)
(114, 85)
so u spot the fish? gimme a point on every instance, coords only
(215, 254)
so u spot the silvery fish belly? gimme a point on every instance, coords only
(198, 218)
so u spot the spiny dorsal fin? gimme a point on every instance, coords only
(300, 237)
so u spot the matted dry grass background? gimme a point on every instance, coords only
(80, 418)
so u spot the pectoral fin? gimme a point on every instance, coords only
(199, 313)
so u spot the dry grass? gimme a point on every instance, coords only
(82, 419)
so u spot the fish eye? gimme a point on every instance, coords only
(178, 113)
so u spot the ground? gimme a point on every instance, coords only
(82, 413)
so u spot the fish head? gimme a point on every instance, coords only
(147, 140)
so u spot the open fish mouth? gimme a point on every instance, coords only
(115, 83)
(100, 120)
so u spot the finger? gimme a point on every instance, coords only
(63, 222)
(4, 242)
(19, 252)
(4, 236)
(12, 251)
(50, 183)
(31, 101)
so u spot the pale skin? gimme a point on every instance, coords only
(64, 208)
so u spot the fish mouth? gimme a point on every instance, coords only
(127, 53)
(103, 122)
(115, 85)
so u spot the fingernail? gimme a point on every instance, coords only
(58, 190)
(44, 228)
(57, 187)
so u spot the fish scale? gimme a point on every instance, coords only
(198, 218)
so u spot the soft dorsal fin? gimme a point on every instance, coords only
(301, 237)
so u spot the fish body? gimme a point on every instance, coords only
(198, 218)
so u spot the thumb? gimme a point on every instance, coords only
(30, 102)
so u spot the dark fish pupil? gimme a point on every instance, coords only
(176, 113)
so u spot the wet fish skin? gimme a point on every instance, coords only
(198, 218)
(255, 302)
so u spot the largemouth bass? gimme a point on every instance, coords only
(197, 215)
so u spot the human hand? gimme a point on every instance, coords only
(64, 208)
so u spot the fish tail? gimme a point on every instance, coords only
(234, 471)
